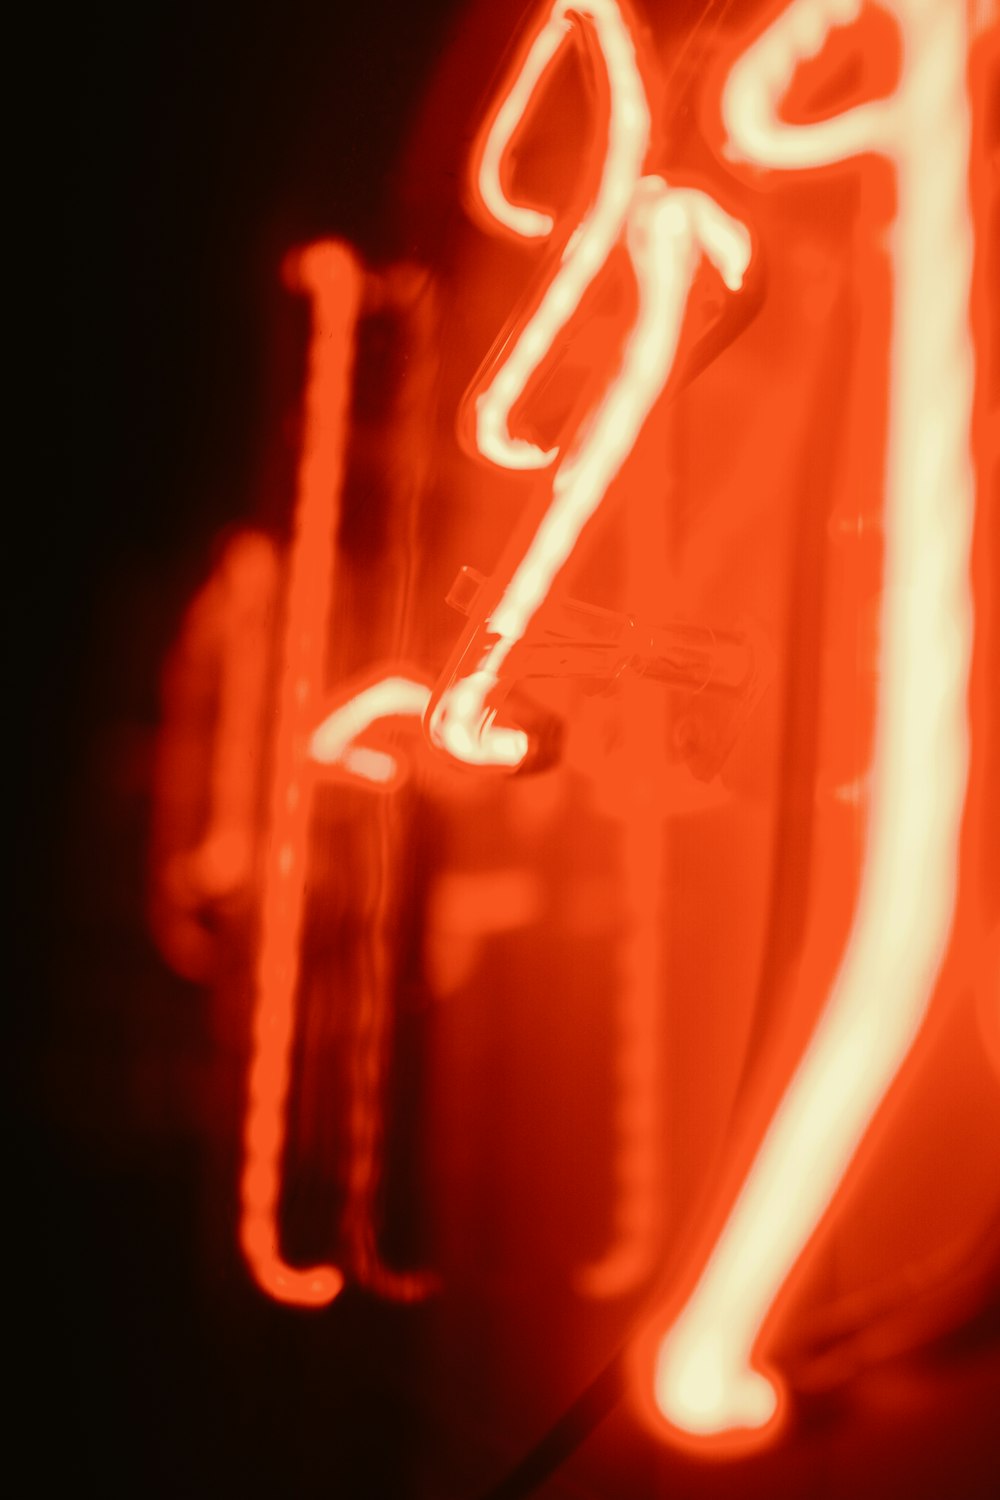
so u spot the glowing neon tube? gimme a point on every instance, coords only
(329, 275)
(224, 640)
(334, 742)
(666, 231)
(708, 1375)
(588, 248)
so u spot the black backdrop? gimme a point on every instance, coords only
(204, 140)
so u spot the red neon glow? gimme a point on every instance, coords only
(705, 1363)
(709, 1373)
(334, 743)
(329, 275)
(206, 789)
(586, 252)
(666, 232)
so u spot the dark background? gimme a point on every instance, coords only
(206, 139)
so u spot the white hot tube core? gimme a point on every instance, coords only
(705, 1381)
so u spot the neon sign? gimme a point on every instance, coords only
(706, 1377)
(702, 1370)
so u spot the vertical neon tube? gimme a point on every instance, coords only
(707, 1379)
(329, 275)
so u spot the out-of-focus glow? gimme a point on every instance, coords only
(666, 231)
(224, 641)
(465, 909)
(759, 80)
(989, 1001)
(329, 275)
(588, 248)
(708, 1379)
